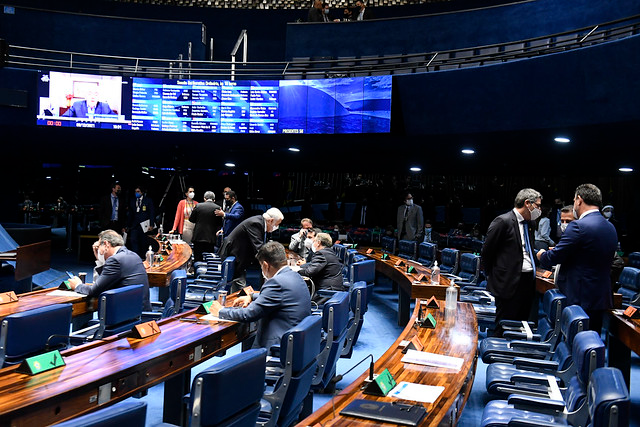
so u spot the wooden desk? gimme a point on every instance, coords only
(624, 337)
(37, 299)
(111, 370)
(452, 337)
(408, 287)
(178, 257)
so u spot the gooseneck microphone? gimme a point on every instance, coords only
(338, 378)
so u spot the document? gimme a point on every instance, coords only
(61, 293)
(432, 359)
(146, 225)
(212, 318)
(416, 392)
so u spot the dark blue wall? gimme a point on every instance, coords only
(448, 31)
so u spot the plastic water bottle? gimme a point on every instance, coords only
(451, 301)
(435, 274)
(149, 256)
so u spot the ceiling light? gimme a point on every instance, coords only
(230, 165)
(294, 149)
(468, 151)
(415, 169)
(562, 139)
(625, 169)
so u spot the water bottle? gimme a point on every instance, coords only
(435, 274)
(149, 256)
(451, 300)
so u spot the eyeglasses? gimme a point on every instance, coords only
(535, 204)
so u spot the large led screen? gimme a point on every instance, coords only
(329, 106)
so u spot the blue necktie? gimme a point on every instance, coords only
(114, 209)
(528, 246)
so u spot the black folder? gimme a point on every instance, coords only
(398, 413)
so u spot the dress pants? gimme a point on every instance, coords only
(518, 307)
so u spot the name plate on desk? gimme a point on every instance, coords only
(370, 251)
(205, 308)
(432, 303)
(411, 269)
(384, 257)
(546, 274)
(420, 278)
(632, 313)
(8, 297)
(246, 291)
(147, 329)
(381, 384)
(399, 263)
(41, 363)
(65, 286)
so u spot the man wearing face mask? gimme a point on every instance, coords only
(325, 269)
(245, 240)
(298, 243)
(112, 210)
(231, 214)
(116, 267)
(410, 220)
(566, 216)
(206, 223)
(142, 216)
(509, 259)
(585, 252)
(282, 303)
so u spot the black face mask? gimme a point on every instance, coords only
(118, 192)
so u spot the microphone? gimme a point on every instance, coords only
(338, 378)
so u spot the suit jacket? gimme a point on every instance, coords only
(282, 303)
(178, 222)
(325, 269)
(206, 222)
(122, 269)
(414, 226)
(232, 218)
(244, 242)
(315, 15)
(147, 212)
(585, 253)
(502, 254)
(368, 14)
(106, 209)
(80, 109)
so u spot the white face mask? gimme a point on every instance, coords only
(607, 214)
(575, 213)
(313, 248)
(275, 227)
(409, 202)
(563, 226)
(191, 195)
(308, 242)
(535, 214)
(101, 259)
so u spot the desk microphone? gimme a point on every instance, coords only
(338, 378)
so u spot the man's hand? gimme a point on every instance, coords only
(242, 301)
(219, 232)
(215, 308)
(74, 281)
(95, 247)
(219, 212)
(540, 252)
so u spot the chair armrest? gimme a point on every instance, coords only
(326, 292)
(513, 335)
(530, 345)
(520, 401)
(530, 378)
(537, 364)
(148, 316)
(515, 324)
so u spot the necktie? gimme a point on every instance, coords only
(114, 208)
(528, 246)
(363, 215)
(406, 212)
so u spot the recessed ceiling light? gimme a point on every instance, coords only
(230, 165)
(625, 169)
(294, 149)
(561, 139)
(468, 151)
(415, 169)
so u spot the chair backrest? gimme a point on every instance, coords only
(127, 413)
(426, 253)
(228, 268)
(335, 319)
(449, 259)
(358, 307)
(351, 254)
(229, 392)
(553, 302)
(629, 281)
(25, 334)
(407, 249)
(573, 320)
(341, 251)
(608, 399)
(469, 267)
(119, 309)
(588, 354)
(363, 271)
(388, 244)
(178, 288)
(634, 259)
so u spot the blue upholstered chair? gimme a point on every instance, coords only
(629, 282)
(118, 311)
(427, 253)
(127, 413)
(529, 376)
(341, 252)
(449, 261)
(175, 302)
(388, 244)
(407, 249)
(290, 375)
(358, 307)
(363, 271)
(206, 286)
(573, 320)
(634, 259)
(229, 393)
(335, 319)
(469, 270)
(29, 333)
(601, 400)
(209, 265)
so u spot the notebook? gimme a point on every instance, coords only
(397, 413)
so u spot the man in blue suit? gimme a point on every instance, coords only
(141, 213)
(282, 303)
(232, 214)
(585, 253)
(88, 107)
(118, 267)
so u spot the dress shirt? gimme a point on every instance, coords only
(526, 258)
(588, 212)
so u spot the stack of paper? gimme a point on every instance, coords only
(432, 359)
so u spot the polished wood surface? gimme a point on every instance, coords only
(110, 370)
(32, 259)
(624, 337)
(178, 257)
(37, 299)
(453, 336)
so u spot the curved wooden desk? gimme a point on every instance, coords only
(38, 299)
(457, 337)
(178, 257)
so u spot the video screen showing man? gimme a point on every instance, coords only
(89, 107)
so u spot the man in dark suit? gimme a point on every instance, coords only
(141, 214)
(410, 220)
(585, 253)
(316, 13)
(88, 107)
(325, 269)
(112, 210)
(362, 12)
(509, 259)
(231, 215)
(281, 304)
(119, 267)
(207, 223)
(245, 240)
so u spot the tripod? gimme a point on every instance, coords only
(166, 191)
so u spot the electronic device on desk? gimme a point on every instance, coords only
(391, 412)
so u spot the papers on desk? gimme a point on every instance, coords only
(61, 293)
(212, 318)
(416, 392)
(146, 225)
(432, 359)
